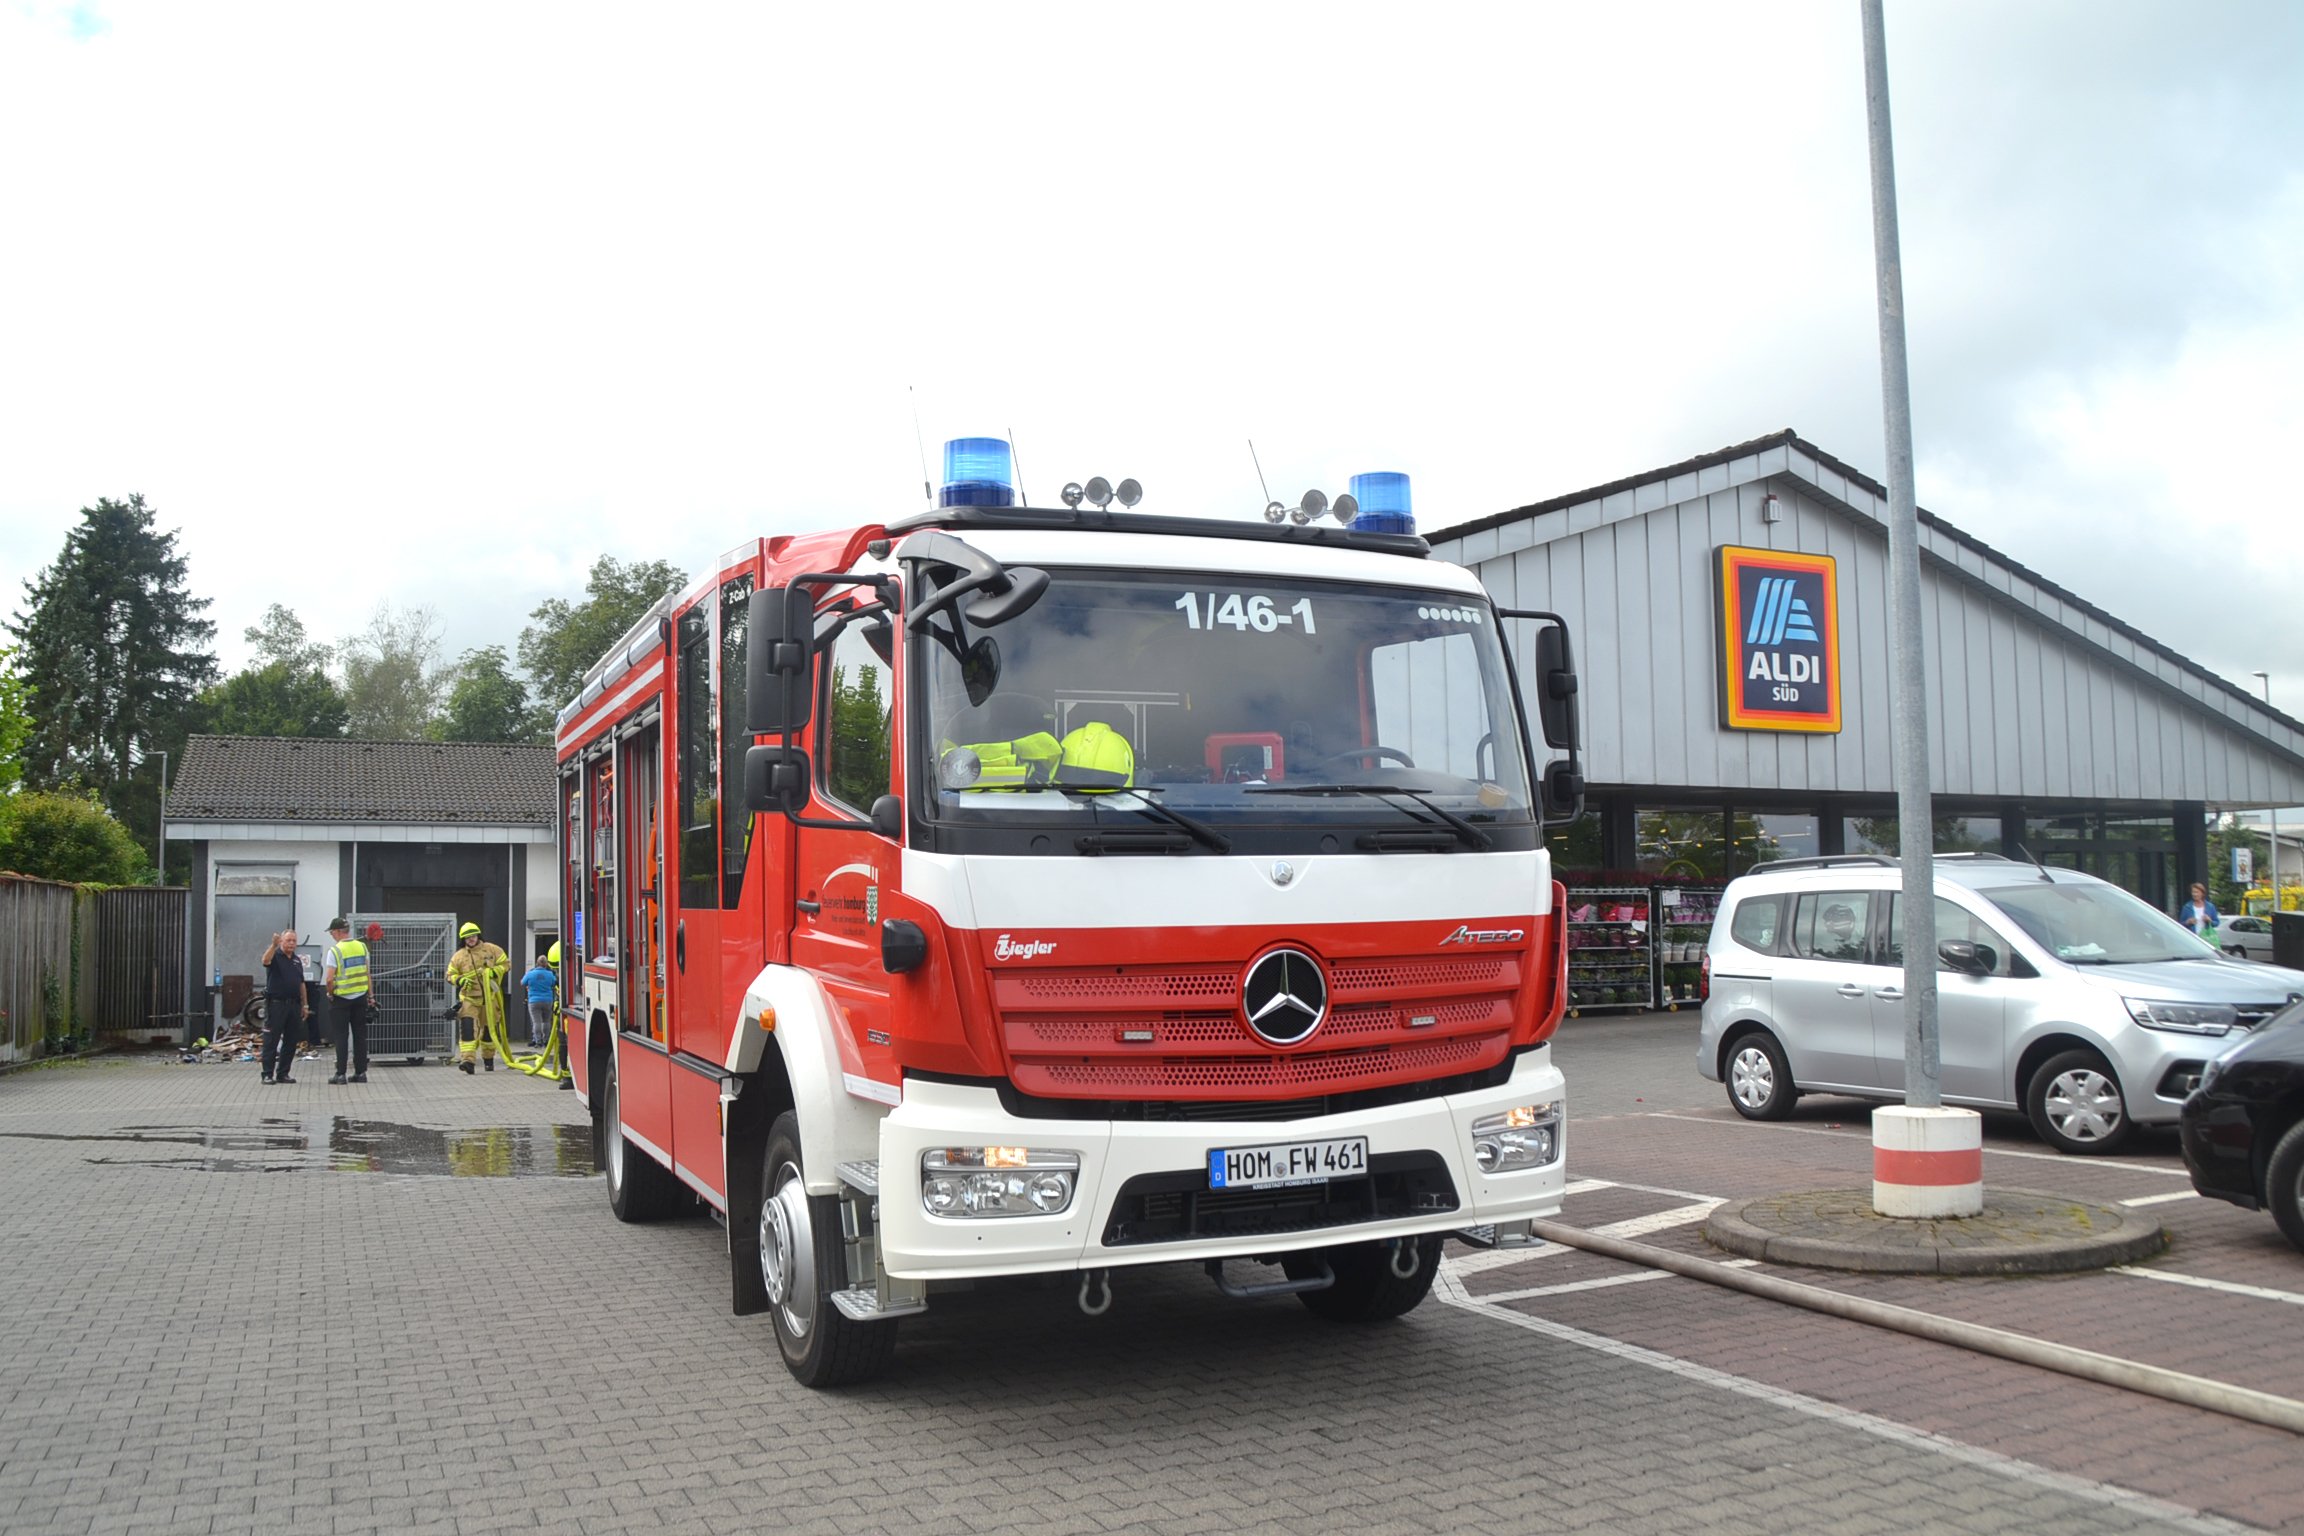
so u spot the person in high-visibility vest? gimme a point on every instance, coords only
(476, 971)
(351, 997)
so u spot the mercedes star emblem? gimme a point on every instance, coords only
(1284, 996)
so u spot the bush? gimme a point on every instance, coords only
(67, 837)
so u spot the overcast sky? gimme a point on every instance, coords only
(435, 303)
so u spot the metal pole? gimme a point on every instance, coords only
(1915, 823)
(160, 840)
(2266, 680)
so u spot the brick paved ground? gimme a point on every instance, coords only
(231, 1307)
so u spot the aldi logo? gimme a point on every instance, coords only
(1780, 640)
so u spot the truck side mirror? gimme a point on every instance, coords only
(1556, 686)
(779, 674)
(776, 778)
(1563, 790)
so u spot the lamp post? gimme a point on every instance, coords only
(160, 839)
(2266, 680)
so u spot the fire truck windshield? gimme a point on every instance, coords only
(1293, 709)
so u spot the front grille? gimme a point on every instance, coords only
(1180, 1207)
(1175, 1032)
(2253, 1014)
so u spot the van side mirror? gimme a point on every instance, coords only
(776, 778)
(1967, 957)
(779, 673)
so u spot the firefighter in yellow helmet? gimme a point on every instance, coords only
(476, 971)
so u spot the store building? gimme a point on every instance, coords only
(1731, 623)
(289, 832)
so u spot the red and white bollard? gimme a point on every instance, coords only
(1927, 1162)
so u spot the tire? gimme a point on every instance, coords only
(2284, 1184)
(1758, 1078)
(1366, 1289)
(639, 1187)
(2076, 1104)
(801, 1265)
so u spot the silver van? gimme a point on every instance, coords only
(2058, 994)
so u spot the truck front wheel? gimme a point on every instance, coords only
(801, 1265)
(1368, 1287)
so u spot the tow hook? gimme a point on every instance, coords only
(1096, 1283)
(1405, 1259)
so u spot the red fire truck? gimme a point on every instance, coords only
(1007, 890)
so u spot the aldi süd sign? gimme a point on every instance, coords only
(1780, 640)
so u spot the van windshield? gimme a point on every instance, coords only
(2097, 925)
(1233, 699)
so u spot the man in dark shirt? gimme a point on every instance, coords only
(285, 1006)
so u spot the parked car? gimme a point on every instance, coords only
(2248, 937)
(2243, 1128)
(2058, 994)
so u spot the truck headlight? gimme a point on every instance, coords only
(2183, 1018)
(1527, 1136)
(997, 1181)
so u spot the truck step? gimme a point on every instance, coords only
(1514, 1235)
(862, 1304)
(861, 1176)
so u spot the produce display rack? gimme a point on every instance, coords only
(1611, 953)
(1682, 925)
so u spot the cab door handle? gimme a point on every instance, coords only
(809, 907)
(680, 945)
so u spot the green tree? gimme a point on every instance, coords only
(285, 691)
(391, 677)
(15, 722)
(2222, 888)
(59, 836)
(486, 702)
(113, 654)
(564, 638)
(275, 700)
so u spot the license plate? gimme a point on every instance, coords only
(1287, 1162)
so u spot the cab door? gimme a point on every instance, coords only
(1971, 1011)
(1823, 989)
(841, 872)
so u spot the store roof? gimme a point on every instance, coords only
(325, 779)
(1773, 454)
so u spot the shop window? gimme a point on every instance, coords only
(1954, 834)
(1576, 846)
(1681, 844)
(1760, 837)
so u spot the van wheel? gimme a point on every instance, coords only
(1758, 1078)
(2284, 1184)
(1366, 1289)
(2075, 1104)
(801, 1264)
(639, 1187)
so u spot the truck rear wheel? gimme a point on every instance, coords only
(801, 1265)
(1367, 1290)
(639, 1187)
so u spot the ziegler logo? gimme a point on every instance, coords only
(1468, 935)
(1028, 949)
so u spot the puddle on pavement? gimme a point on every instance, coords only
(350, 1146)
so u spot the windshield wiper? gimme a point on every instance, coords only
(1201, 832)
(1464, 830)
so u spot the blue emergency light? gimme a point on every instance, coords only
(977, 473)
(1384, 503)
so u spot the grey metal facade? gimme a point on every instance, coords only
(2035, 696)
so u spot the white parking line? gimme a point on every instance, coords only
(2229, 1287)
(1660, 1221)
(1450, 1293)
(2174, 1194)
(1602, 1284)
(1806, 1130)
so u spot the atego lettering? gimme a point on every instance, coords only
(1470, 935)
(1021, 949)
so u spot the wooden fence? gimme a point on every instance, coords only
(84, 963)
